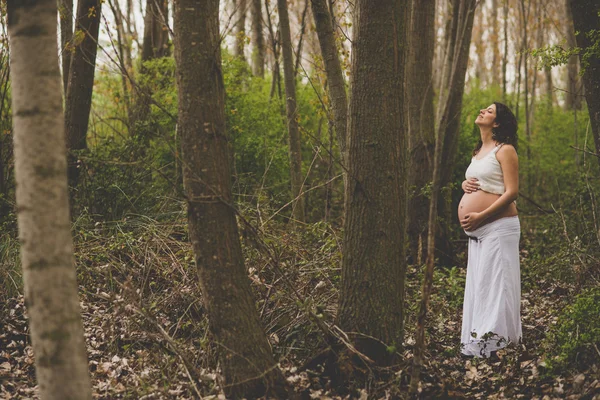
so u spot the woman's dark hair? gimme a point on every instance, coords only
(506, 131)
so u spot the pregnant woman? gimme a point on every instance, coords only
(488, 214)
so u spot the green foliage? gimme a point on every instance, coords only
(573, 342)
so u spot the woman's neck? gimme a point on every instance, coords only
(486, 137)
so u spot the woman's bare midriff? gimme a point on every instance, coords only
(479, 201)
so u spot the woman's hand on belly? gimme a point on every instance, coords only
(471, 221)
(470, 185)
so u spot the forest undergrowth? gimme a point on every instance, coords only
(147, 333)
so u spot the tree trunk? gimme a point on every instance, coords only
(573, 94)
(371, 306)
(155, 45)
(449, 122)
(248, 366)
(586, 19)
(292, 122)
(419, 89)
(240, 28)
(156, 35)
(495, 44)
(49, 276)
(81, 82)
(505, 53)
(336, 85)
(65, 9)
(258, 53)
(301, 39)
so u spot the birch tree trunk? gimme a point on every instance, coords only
(81, 81)
(371, 307)
(292, 122)
(419, 91)
(248, 366)
(49, 276)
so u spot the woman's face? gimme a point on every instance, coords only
(487, 116)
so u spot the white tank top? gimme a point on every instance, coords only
(488, 172)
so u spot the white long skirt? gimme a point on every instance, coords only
(492, 303)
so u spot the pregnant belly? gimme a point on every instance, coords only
(479, 201)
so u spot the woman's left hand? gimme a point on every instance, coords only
(471, 221)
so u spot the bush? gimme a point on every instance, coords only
(573, 342)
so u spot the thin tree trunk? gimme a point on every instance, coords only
(336, 85)
(65, 9)
(573, 94)
(121, 48)
(81, 82)
(240, 28)
(156, 35)
(301, 39)
(371, 302)
(505, 54)
(449, 122)
(258, 53)
(248, 366)
(419, 89)
(292, 122)
(495, 44)
(586, 19)
(49, 277)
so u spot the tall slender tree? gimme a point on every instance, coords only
(586, 20)
(450, 105)
(248, 366)
(573, 94)
(421, 126)
(336, 85)
(291, 112)
(65, 12)
(371, 306)
(49, 276)
(258, 40)
(81, 81)
(241, 7)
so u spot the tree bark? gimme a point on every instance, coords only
(573, 94)
(156, 35)
(336, 85)
(292, 122)
(49, 276)
(373, 262)
(419, 93)
(449, 122)
(81, 81)
(65, 10)
(240, 28)
(586, 19)
(248, 366)
(258, 39)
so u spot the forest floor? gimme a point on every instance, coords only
(149, 341)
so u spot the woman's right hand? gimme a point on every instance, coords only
(470, 185)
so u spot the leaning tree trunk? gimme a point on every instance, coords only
(419, 89)
(335, 76)
(292, 122)
(49, 276)
(65, 11)
(248, 366)
(449, 122)
(371, 307)
(585, 20)
(81, 82)
(258, 40)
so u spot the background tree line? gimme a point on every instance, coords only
(273, 137)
